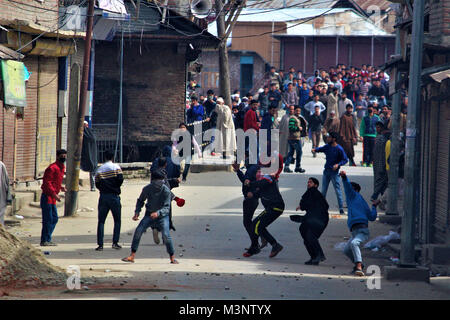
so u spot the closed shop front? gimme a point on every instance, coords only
(47, 113)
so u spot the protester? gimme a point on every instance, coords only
(361, 108)
(347, 133)
(284, 131)
(51, 187)
(266, 188)
(290, 96)
(297, 129)
(335, 158)
(157, 198)
(263, 99)
(196, 111)
(380, 177)
(108, 180)
(5, 193)
(226, 141)
(274, 96)
(331, 124)
(368, 134)
(332, 103)
(315, 127)
(250, 203)
(359, 215)
(311, 106)
(315, 221)
(89, 154)
(185, 158)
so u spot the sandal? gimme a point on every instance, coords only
(128, 259)
(174, 262)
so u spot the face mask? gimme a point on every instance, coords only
(62, 160)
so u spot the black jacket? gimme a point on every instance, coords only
(269, 193)
(89, 151)
(315, 205)
(249, 174)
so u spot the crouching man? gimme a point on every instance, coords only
(157, 197)
(359, 215)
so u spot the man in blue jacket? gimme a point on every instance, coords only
(336, 158)
(359, 215)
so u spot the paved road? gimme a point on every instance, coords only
(209, 242)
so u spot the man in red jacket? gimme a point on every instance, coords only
(250, 118)
(51, 187)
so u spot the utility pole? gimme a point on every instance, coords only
(224, 72)
(412, 156)
(73, 166)
(392, 203)
(223, 32)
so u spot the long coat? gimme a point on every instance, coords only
(226, 139)
(332, 104)
(284, 135)
(347, 133)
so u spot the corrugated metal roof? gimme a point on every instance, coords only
(261, 4)
(283, 15)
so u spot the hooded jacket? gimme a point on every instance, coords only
(157, 197)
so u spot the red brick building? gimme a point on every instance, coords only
(155, 67)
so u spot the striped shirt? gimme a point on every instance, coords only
(109, 178)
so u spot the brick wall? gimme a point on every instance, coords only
(153, 89)
(440, 17)
(46, 17)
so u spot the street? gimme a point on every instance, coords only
(209, 242)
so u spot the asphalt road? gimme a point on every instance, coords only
(209, 243)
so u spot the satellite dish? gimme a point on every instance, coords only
(201, 8)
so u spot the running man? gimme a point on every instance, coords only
(157, 197)
(266, 188)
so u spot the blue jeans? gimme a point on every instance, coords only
(160, 224)
(294, 145)
(49, 219)
(332, 175)
(108, 201)
(351, 249)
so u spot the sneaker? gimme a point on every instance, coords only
(300, 170)
(371, 165)
(213, 153)
(251, 252)
(275, 250)
(52, 244)
(156, 236)
(287, 170)
(341, 211)
(99, 248)
(313, 262)
(359, 273)
(116, 246)
(45, 244)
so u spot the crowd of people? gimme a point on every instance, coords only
(342, 106)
